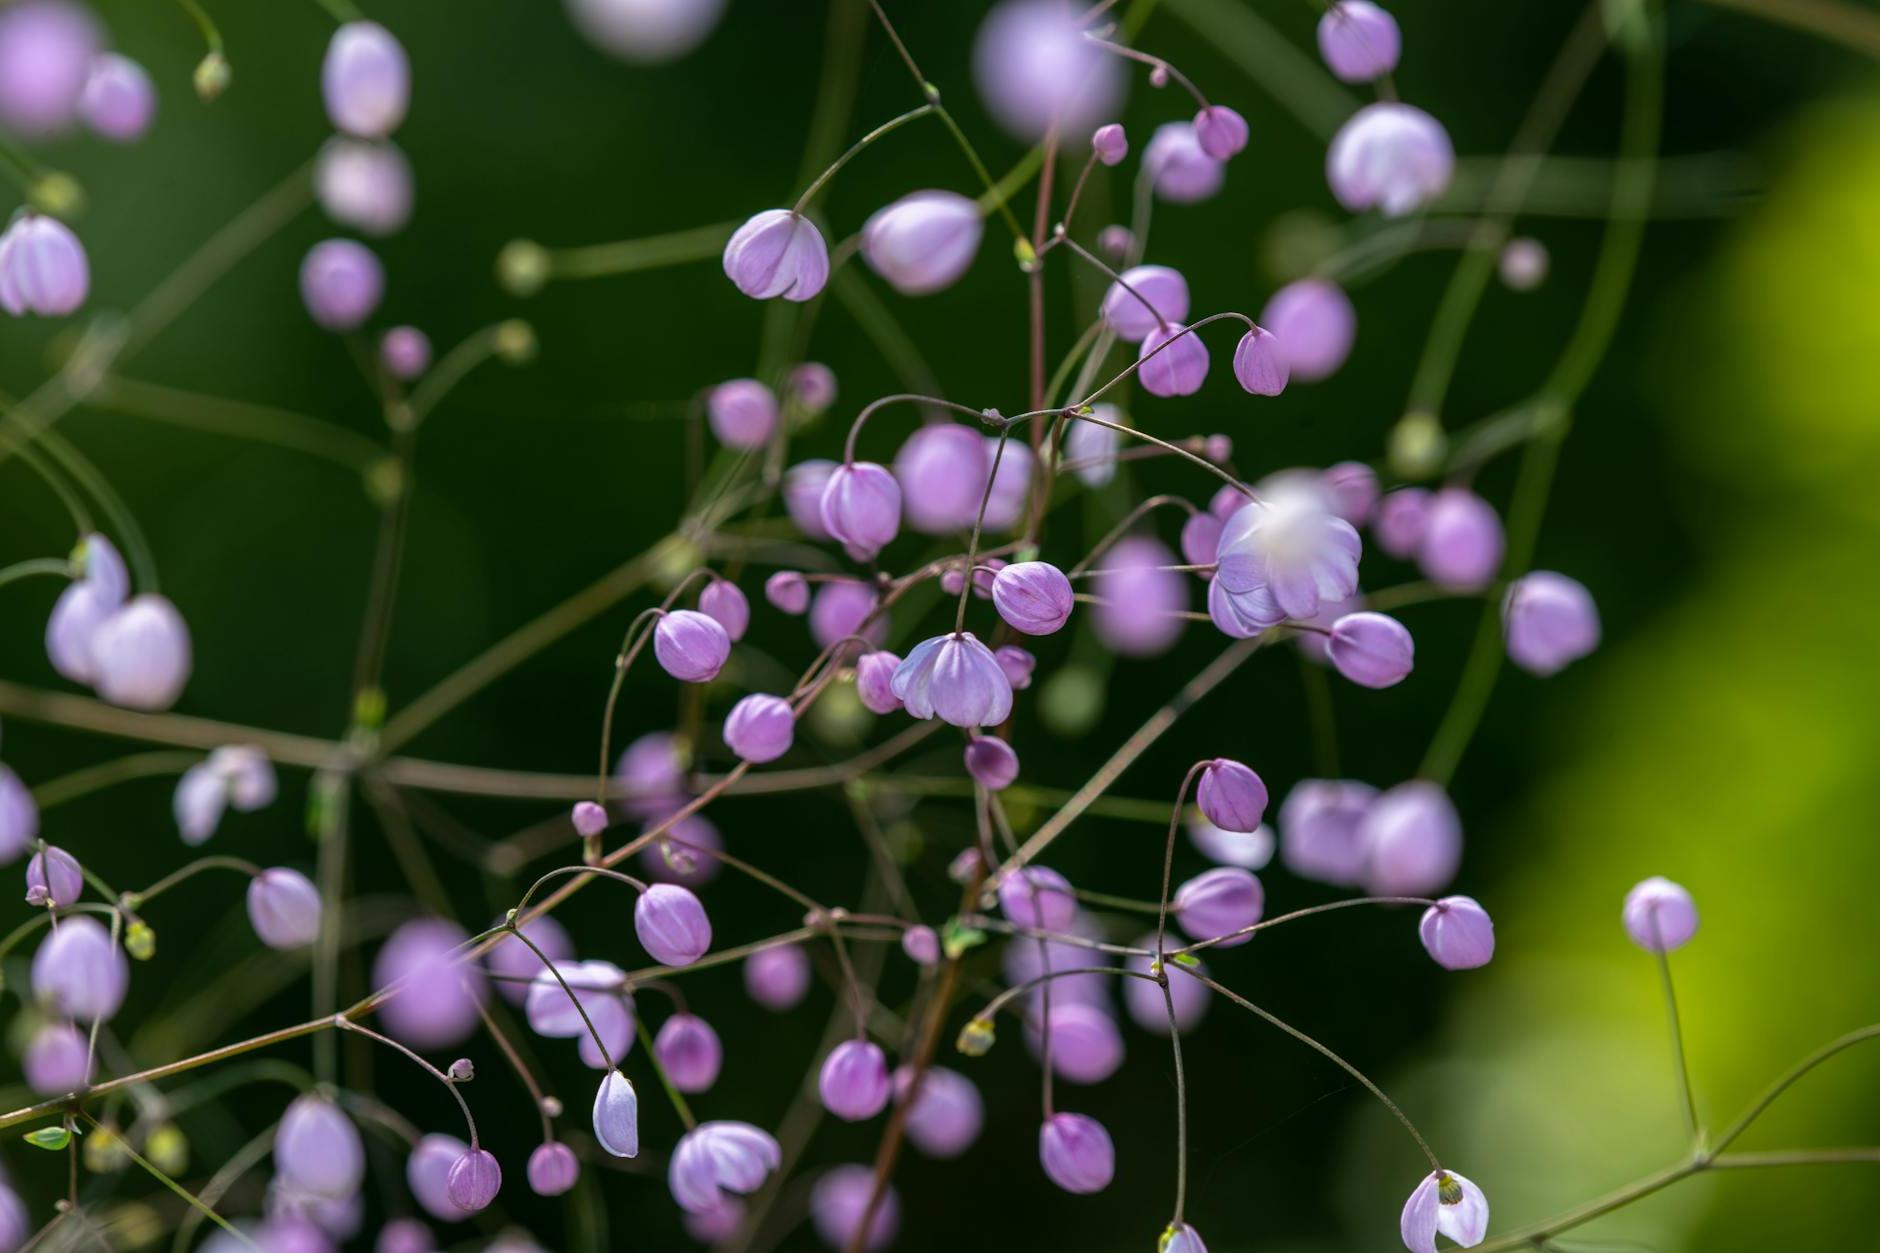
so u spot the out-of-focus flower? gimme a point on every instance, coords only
(924, 241)
(1391, 157)
(318, 1150)
(284, 908)
(237, 775)
(1522, 263)
(743, 414)
(1660, 915)
(1462, 541)
(80, 972)
(1143, 298)
(1138, 601)
(1110, 143)
(119, 100)
(1315, 325)
(1320, 830)
(1359, 41)
(366, 80)
(1035, 70)
(405, 352)
(364, 185)
(341, 282)
(1412, 841)
(438, 995)
(1219, 902)
(1039, 898)
(46, 52)
(689, 1050)
(1548, 621)
(854, 1080)
(947, 1116)
(646, 32)
(777, 978)
(1181, 170)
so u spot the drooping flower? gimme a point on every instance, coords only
(1140, 603)
(874, 681)
(56, 1060)
(1462, 542)
(1110, 143)
(839, 1201)
(1660, 915)
(1039, 898)
(1260, 364)
(617, 1115)
(438, 993)
(1143, 298)
(80, 972)
(1016, 664)
(1444, 1201)
(778, 253)
(812, 387)
(553, 1169)
(46, 52)
(924, 241)
(318, 1150)
(1458, 933)
(1291, 545)
(364, 185)
(341, 282)
(43, 268)
(119, 99)
(1174, 361)
(237, 775)
(1033, 597)
(777, 978)
(1391, 157)
(404, 1235)
(672, 925)
(1412, 841)
(690, 646)
(98, 591)
(1090, 449)
(954, 678)
(991, 762)
(854, 1080)
(760, 728)
(1181, 170)
(861, 507)
(1359, 41)
(941, 469)
(743, 414)
(946, 1116)
(474, 1180)
(284, 908)
(1181, 1239)
(646, 32)
(689, 1050)
(1086, 1047)
(366, 80)
(1077, 1153)
(589, 819)
(1320, 830)
(1220, 131)
(725, 602)
(1548, 621)
(405, 352)
(1231, 795)
(1371, 649)
(1219, 902)
(1035, 70)
(53, 878)
(685, 854)
(716, 1157)
(922, 945)
(1315, 325)
(788, 591)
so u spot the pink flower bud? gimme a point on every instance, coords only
(1352, 487)
(1319, 830)
(716, 1157)
(991, 762)
(341, 283)
(956, 679)
(813, 387)
(839, 1202)
(778, 253)
(404, 1235)
(646, 32)
(80, 972)
(1659, 915)
(1391, 157)
(1115, 241)
(617, 1115)
(366, 186)
(1035, 70)
(1015, 664)
(854, 1080)
(923, 242)
(1110, 144)
(1077, 1153)
(1139, 600)
(1462, 542)
(1522, 264)
(1448, 1203)
(1086, 1046)
(921, 945)
(689, 1050)
(53, 878)
(46, 51)
(366, 80)
(672, 925)
(803, 485)
(1033, 597)
(1231, 795)
(723, 601)
(590, 819)
(1146, 297)
(941, 469)
(1402, 517)
(777, 978)
(1219, 902)
(1372, 649)
(43, 269)
(427, 1173)
(840, 609)
(284, 908)
(1359, 41)
(1182, 171)
(57, 1059)
(1038, 898)
(474, 1180)
(318, 1150)
(760, 728)
(1457, 933)
(947, 1115)
(1220, 131)
(788, 591)
(874, 681)
(405, 352)
(1260, 364)
(119, 99)
(1548, 621)
(438, 995)
(861, 507)
(743, 414)
(1413, 841)
(553, 1169)
(1315, 325)
(1179, 369)
(690, 646)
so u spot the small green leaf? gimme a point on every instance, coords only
(957, 938)
(1185, 959)
(51, 1139)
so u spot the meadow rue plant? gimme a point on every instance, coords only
(902, 693)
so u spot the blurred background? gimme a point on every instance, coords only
(1715, 496)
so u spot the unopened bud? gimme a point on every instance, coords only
(168, 1149)
(515, 342)
(140, 941)
(522, 267)
(976, 1038)
(57, 193)
(463, 1070)
(212, 75)
(1417, 446)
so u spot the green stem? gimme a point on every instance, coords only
(855, 150)
(37, 565)
(189, 1197)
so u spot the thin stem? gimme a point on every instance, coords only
(135, 900)
(1296, 914)
(665, 1080)
(68, 787)
(581, 1009)
(629, 256)
(1789, 1077)
(346, 1024)
(58, 566)
(190, 1198)
(855, 150)
(1680, 1062)
(238, 418)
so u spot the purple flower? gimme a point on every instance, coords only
(1359, 41)
(689, 1050)
(1086, 1047)
(474, 1180)
(717, 1225)
(1035, 70)
(1444, 1201)
(1352, 489)
(839, 610)
(672, 925)
(366, 186)
(1016, 664)
(1315, 325)
(743, 414)
(1176, 370)
(690, 646)
(1231, 795)
(42, 268)
(589, 819)
(956, 679)
(1402, 517)
(718, 1156)
(80, 972)
(722, 600)
(405, 352)
(787, 590)
(617, 1115)
(1138, 600)
(1116, 240)
(861, 507)
(1200, 539)
(1319, 830)
(1260, 364)
(1220, 131)
(1026, 958)
(1391, 157)
(1077, 1153)
(404, 1235)
(1458, 933)
(1144, 1001)
(839, 1201)
(366, 80)
(1250, 850)
(1038, 898)
(1219, 902)
(598, 987)
(1245, 615)
(854, 1080)
(1462, 541)
(1522, 264)
(1412, 840)
(1182, 171)
(942, 469)
(653, 770)
(760, 728)
(46, 50)
(991, 762)
(1146, 297)
(553, 1169)
(1033, 597)
(1011, 485)
(19, 816)
(923, 242)
(1090, 450)
(1548, 621)
(685, 855)
(946, 1116)
(341, 283)
(53, 878)
(921, 945)
(1181, 1239)
(427, 1173)
(512, 965)
(284, 907)
(438, 996)
(318, 1150)
(237, 775)
(777, 978)
(803, 485)
(813, 387)
(57, 1059)
(1659, 915)
(1110, 144)
(1371, 649)
(646, 32)
(119, 99)
(874, 681)
(87, 601)
(1294, 548)
(778, 253)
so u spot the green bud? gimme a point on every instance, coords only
(57, 193)
(385, 481)
(1025, 254)
(515, 342)
(369, 708)
(1185, 959)
(522, 267)
(105, 1152)
(140, 941)
(1418, 446)
(956, 938)
(976, 1038)
(168, 1149)
(211, 77)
